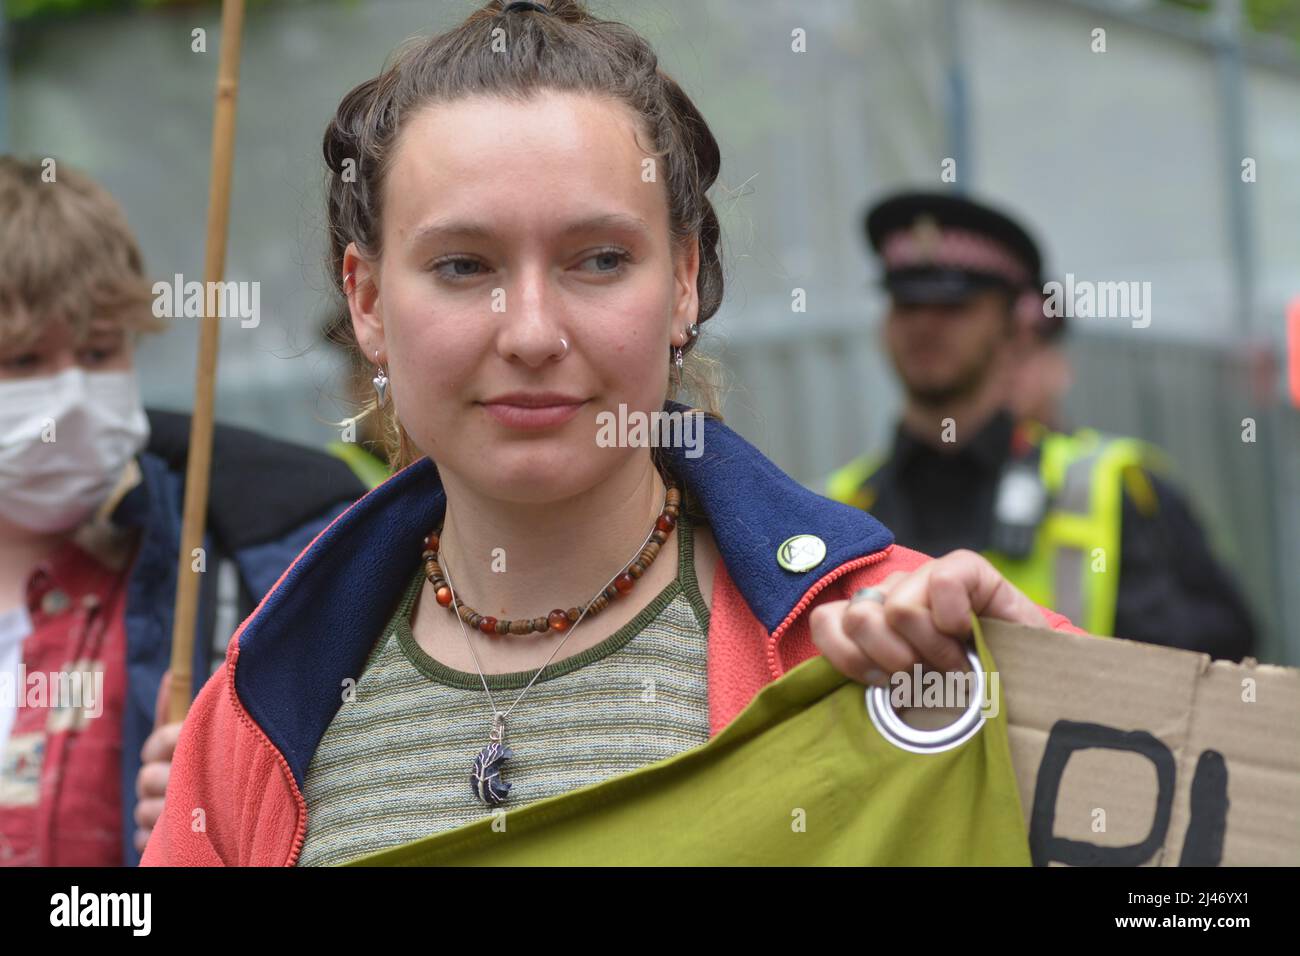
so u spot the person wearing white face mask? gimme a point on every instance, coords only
(91, 487)
(65, 442)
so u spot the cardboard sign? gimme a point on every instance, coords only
(1131, 754)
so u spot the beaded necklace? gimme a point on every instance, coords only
(485, 774)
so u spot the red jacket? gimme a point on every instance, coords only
(60, 799)
(235, 792)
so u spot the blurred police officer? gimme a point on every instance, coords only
(1085, 523)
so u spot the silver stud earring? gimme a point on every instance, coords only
(381, 381)
(693, 331)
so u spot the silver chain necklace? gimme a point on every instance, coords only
(485, 774)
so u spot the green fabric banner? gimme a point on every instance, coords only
(801, 777)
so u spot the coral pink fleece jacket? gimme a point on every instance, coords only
(235, 792)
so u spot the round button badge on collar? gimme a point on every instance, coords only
(802, 552)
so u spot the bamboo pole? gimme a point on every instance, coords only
(199, 465)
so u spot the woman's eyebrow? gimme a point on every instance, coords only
(466, 229)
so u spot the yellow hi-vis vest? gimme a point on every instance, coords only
(1075, 562)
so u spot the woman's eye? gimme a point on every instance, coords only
(614, 258)
(456, 273)
(96, 356)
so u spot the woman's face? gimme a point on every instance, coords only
(509, 230)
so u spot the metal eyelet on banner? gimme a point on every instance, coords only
(905, 737)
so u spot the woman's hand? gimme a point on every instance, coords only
(156, 765)
(924, 618)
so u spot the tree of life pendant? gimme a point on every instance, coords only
(485, 778)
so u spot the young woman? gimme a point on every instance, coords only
(519, 225)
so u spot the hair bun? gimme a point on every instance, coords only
(569, 11)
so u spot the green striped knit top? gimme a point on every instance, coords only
(394, 764)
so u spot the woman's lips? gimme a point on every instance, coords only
(532, 416)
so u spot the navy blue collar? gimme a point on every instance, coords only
(317, 627)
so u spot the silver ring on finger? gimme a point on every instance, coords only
(868, 594)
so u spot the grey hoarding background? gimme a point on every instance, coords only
(1122, 161)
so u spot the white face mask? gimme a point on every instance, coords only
(64, 442)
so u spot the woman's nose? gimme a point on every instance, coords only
(532, 328)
